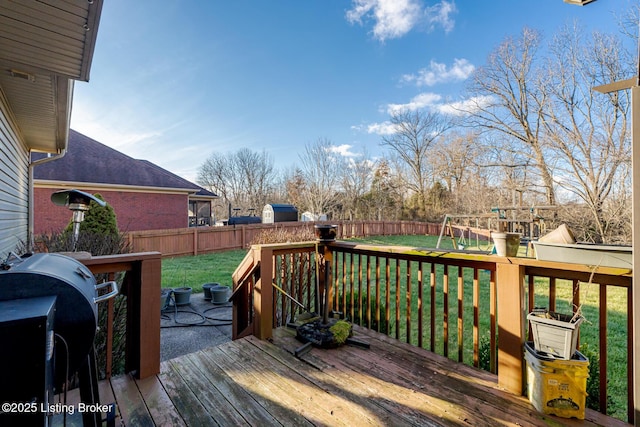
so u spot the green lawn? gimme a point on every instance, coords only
(195, 271)
(218, 267)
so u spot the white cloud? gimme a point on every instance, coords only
(395, 18)
(343, 150)
(438, 73)
(385, 128)
(423, 100)
(440, 14)
(464, 107)
(432, 101)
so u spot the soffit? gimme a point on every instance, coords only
(44, 46)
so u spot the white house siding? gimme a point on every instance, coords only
(14, 184)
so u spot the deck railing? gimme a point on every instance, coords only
(469, 307)
(141, 285)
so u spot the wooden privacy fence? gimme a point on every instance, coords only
(200, 240)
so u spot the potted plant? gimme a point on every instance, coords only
(555, 333)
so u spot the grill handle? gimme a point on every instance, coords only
(113, 293)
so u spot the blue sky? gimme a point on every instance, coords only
(173, 81)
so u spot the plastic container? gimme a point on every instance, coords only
(554, 333)
(206, 289)
(219, 294)
(165, 295)
(562, 234)
(182, 296)
(557, 387)
(506, 244)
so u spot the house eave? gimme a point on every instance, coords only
(44, 48)
(40, 183)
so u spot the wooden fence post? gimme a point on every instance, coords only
(243, 237)
(195, 240)
(510, 284)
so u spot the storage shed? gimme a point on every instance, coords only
(276, 212)
(310, 216)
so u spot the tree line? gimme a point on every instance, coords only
(531, 131)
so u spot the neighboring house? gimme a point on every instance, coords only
(143, 195)
(44, 48)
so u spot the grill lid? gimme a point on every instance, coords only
(75, 288)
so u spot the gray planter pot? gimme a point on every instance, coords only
(206, 288)
(220, 295)
(164, 298)
(181, 295)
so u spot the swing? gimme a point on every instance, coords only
(462, 242)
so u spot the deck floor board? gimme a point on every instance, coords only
(235, 396)
(253, 382)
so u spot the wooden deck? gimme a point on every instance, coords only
(253, 382)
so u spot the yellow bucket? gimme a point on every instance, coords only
(556, 386)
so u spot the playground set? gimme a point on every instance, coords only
(474, 230)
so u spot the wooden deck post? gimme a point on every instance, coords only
(510, 284)
(635, 303)
(143, 285)
(150, 284)
(263, 296)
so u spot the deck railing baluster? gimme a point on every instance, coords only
(368, 293)
(109, 333)
(445, 313)
(420, 293)
(359, 292)
(378, 294)
(460, 313)
(476, 319)
(387, 296)
(532, 301)
(432, 317)
(343, 285)
(493, 328)
(397, 290)
(408, 302)
(603, 349)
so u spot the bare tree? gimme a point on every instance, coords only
(214, 175)
(455, 162)
(243, 179)
(321, 169)
(384, 199)
(587, 131)
(415, 134)
(295, 188)
(258, 172)
(454, 156)
(506, 100)
(356, 181)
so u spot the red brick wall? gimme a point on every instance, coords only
(134, 211)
